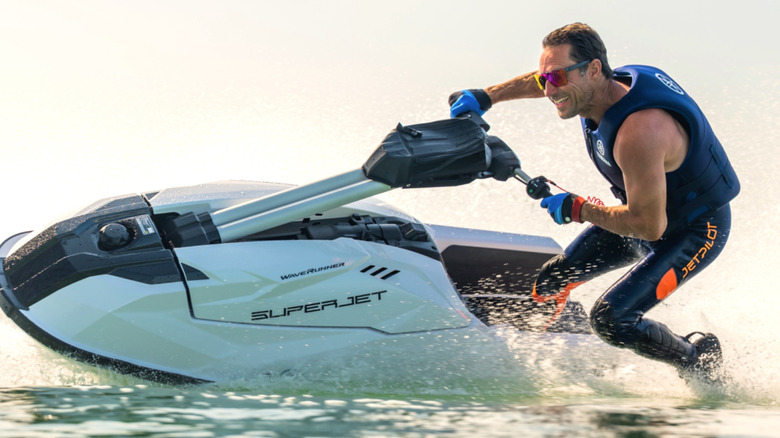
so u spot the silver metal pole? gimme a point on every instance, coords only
(522, 175)
(285, 197)
(268, 219)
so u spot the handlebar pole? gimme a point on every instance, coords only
(522, 175)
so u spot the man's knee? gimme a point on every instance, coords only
(605, 324)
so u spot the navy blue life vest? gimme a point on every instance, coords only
(705, 181)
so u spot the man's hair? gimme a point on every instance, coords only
(585, 44)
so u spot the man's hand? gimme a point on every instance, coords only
(469, 100)
(564, 207)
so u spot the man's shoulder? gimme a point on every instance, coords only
(648, 122)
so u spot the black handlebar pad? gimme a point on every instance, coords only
(443, 153)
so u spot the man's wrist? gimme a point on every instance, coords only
(576, 208)
(483, 98)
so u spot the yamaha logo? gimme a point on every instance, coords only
(670, 83)
(600, 152)
(600, 147)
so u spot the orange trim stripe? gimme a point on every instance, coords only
(667, 285)
(560, 299)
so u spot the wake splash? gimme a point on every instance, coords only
(507, 366)
(566, 366)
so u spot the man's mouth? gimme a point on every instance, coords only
(559, 101)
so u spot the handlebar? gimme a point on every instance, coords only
(537, 188)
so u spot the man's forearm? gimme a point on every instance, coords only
(620, 220)
(521, 87)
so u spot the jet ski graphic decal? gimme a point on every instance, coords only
(311, 271)
(320, 306)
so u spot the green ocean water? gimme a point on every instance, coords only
(546, 389)
(144, 411)
(106, 98)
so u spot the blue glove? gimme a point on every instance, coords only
(564, 207)
(469, 100)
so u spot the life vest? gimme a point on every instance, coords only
(705, 181)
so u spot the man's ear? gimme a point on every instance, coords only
(594, 68)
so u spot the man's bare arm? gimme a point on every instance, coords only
(521, 87)
(647, 142)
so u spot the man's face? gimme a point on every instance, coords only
(572, 98)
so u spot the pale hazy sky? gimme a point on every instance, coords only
(100, 97)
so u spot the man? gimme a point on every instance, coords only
(650, 140)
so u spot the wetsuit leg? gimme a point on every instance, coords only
(618, 316)
(594, 252)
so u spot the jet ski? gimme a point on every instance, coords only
(225, 279)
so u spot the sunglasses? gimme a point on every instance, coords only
(557, 77)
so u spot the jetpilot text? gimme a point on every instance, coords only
(712, 234)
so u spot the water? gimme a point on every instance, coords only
(106, 98)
